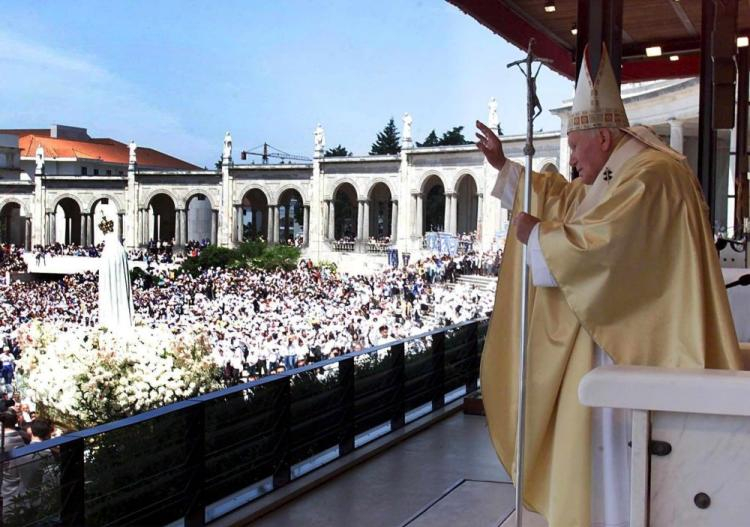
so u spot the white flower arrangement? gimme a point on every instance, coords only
(82, 377)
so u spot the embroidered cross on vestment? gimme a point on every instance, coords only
(607, 175)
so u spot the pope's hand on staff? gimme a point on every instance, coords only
(524, 223)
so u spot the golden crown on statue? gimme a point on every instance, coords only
(106, 225)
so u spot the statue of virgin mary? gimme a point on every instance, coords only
(115, 300)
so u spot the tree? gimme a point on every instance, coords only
(388, 141)
(430, 140)
(337, 151)
(454, 137)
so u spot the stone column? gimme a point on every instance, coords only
(331, 220)
(142, 217)
(84, 228)
(306, 222)
(120, 226)
(676, 134)
(276, 224)
(237, 224)
(480, 223)
(366, 221)
(91, 230)
(269, 221)
(287, 218)
(27, 234)
(454, 213)
(394, 221)
(360, 217)
(420, 217)
(214, 226)
(178, 227)
(47, 229)
(51, 227)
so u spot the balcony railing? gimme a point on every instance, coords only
(378, 247)
(199, 459)
(343, 246)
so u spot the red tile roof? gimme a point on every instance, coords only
(103, 150)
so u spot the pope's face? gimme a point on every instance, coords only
(589, 151)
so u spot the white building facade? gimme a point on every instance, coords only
(343, 209)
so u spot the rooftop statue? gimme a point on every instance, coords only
(492, 119)
(39, 157)
(320, 138)
(131, 149)
(407, 128)
(227, 152)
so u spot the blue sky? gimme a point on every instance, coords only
(175, 75)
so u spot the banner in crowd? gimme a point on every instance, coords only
(441, 243)
(393, 257)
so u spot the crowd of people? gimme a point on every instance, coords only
(260, 322)
(11, 259)
(257, 323)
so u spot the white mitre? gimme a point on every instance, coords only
(597, 102)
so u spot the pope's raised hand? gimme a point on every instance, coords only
(490, 145)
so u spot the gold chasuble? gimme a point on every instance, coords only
(638, 275)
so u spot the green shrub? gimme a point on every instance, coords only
(252, 249)
(254, 253)
(137, 273)
(277, 257)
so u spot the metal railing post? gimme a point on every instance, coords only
(398, 363)
(282, 473)
(72, 497)
(437, 381)
(472, 362)
(195, 506)
(346, 381)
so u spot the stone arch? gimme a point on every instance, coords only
(384, 181)
(550, 167)
(161, 217)
(13, 223)
(467, 203)
(255, 186)
(67, 221)
(427, 176)
(178, 203)
(198, 192)
(346, 211)
(110, 197)
(198, 217)
(254, 203)
(288, 187)
(290, 213)
(433, 203)
(23, 206)
(380, 208)
(342, 181)
(58, 198)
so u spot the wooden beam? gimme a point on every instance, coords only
(684, 18)
(501, 19)
(741, 184)
(707, 134)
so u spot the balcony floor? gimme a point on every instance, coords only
(446, 475)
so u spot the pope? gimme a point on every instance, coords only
(625, 271)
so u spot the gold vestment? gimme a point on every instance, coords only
(638, 275)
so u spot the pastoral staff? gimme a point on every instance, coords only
(625, 271)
